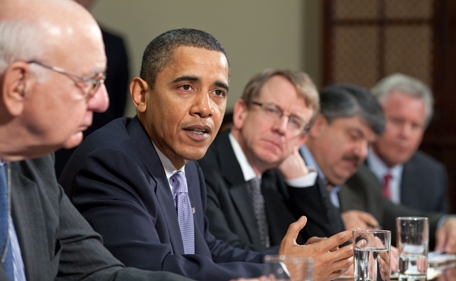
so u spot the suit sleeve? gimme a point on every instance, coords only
(117, 197)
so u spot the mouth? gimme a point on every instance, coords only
(198, 132)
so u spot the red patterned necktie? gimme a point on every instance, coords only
(386, 186)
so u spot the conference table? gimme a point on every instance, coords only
(437, 272)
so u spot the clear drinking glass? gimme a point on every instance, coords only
(285, 268)
(412, 243)
(372, 255)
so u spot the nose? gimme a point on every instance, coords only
(100, 101)
(281, 124)
(203, 106)
(362, 150)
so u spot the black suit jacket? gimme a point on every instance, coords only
(230, 211)
(363, 192)
(118, 183)
(424, 184)
(56, 242)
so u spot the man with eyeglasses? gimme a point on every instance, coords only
(52, 65)
(249, 205)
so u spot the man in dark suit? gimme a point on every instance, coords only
(415, 179)
(51, 75)
(131, 178)
(259, 141)
(337, 146)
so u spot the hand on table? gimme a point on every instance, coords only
(446, 236)
(360, 219)
(329, 261)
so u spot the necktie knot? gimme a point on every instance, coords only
(178, 182)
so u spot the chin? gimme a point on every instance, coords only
(73, 141)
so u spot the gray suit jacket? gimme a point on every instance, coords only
(363, 192)
(56, 242)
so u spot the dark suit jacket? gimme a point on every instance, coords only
(118, 183)
(56, 242)
(424, 184)
(230, 211)
(363, 192)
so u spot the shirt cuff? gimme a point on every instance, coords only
(304, 181)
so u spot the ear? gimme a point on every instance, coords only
(138, 92)
(239, 114)
(318, 126)
(15, 86)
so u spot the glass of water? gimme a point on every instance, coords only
(412, 243)
(286, 268)
(372, 253)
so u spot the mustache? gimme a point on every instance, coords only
(353, 158)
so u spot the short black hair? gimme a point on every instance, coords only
(159, 52)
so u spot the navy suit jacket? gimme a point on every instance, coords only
(116, 180)
(424, 184)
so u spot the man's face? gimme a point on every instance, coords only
(267, 142)
(340, 147)
(186, 107)
(405, 124)
(56, 110)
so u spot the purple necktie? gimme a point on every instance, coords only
(184, 211)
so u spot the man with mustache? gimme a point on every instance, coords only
(351, 120)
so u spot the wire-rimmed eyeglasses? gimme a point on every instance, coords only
(89, 85)
(295, 124)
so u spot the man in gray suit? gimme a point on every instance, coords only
(415, 179)
(52, 65)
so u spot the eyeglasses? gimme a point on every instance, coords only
(295, 124)
(89, 85)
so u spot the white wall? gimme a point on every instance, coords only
(255, 33)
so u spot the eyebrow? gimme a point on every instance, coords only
(194, 79)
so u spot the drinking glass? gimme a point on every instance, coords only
(286, 268)
(372, 255)
(412, 243)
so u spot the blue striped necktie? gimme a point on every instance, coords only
(5, 243)
(184, 211)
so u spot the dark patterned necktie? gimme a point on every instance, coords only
(184, 211)
(259, 210)
(5, 243)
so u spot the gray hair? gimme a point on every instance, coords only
(407, 85)
(347, 100)
(159, 52)
(20, 40)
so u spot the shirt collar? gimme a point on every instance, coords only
(246, 168)
(310, 160)
(166, 163)
(379, 168)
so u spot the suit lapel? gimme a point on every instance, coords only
(409, 179)
(29, 223)
(232, 174)
(149, 157)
